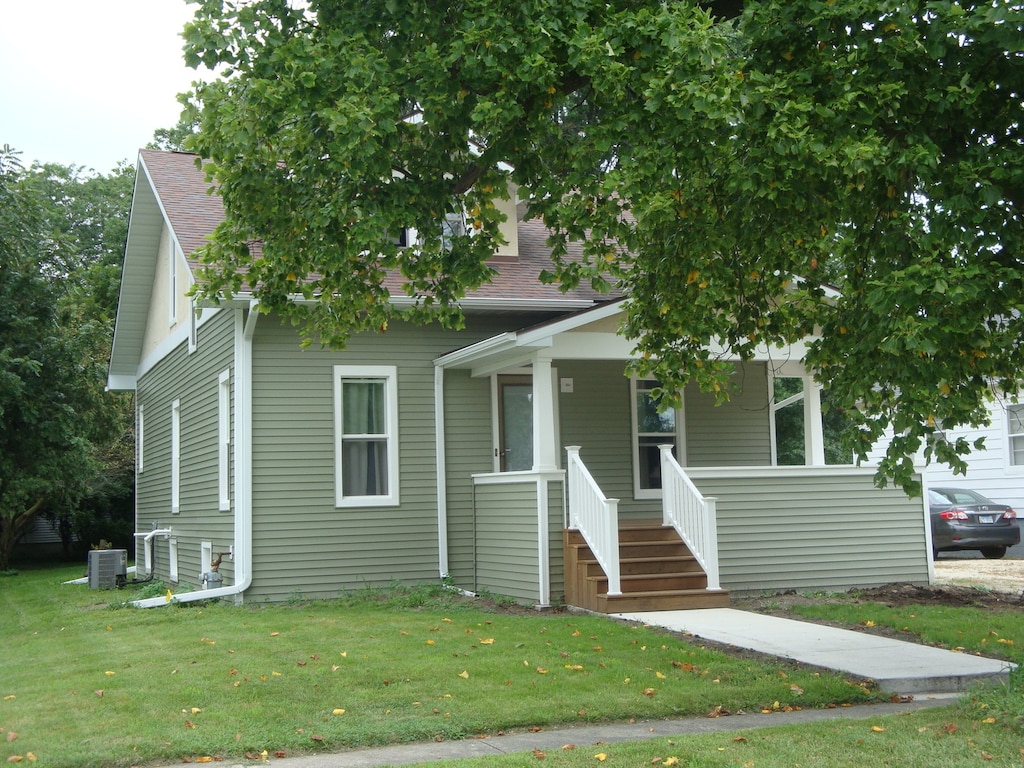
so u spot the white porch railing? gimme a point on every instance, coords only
(595, 516)
(692, 515)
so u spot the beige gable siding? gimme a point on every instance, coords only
(302, 543)
(735, 434)
(194, 381)
(815, 528)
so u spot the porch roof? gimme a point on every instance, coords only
(589, 334)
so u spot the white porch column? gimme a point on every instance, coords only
(544, 449)
(814, 433)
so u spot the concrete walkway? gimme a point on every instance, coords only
(896, 666)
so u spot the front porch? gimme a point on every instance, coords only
(525, 513)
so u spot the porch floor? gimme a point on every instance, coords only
(657, 573)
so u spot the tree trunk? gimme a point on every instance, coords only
(11, 528)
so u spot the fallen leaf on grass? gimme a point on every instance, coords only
(877, 729)
(568, 746)
(464, 674)
(189, 724)
(338, 711)
(538, 754)
(950, 728)
(12, 736)
(600, 757)
(11, 697)
(986, 756)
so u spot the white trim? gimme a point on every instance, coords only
(172, 560)
(224, 441)
(140, 438)
(176, 457)
(440, 467)
(543, 544)
(514, 478)
(193, 327)
(389, 374)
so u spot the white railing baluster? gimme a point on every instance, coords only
(693, 515)
(595, 516)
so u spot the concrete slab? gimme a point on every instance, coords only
(896, 666)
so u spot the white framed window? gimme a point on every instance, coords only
(224, 441)
(176, 457)
(453, 225)
(140, 435)
(651, 429)
(366, 435)
(1015, 433)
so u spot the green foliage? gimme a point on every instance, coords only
(65, 444)
(722, 173)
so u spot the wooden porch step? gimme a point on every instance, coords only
(649, 565)
(657, 573)
(663, 600)
(646, 582)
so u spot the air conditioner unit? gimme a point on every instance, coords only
(107, 568)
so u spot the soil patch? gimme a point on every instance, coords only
(893, 595)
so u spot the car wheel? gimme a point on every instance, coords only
(993, 553)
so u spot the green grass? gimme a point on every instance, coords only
(999, 634)
(923, 739)
(85, 682)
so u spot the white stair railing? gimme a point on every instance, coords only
(693, 515)
(595, 516)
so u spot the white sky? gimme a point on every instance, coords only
(87, 82)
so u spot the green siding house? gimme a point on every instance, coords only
(514, 457)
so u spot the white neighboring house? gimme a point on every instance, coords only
(997, 470)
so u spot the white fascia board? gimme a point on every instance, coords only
(495, 345)
(593, 346)
(121, 383)
(573, 322)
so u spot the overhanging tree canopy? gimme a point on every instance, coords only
(721, 172)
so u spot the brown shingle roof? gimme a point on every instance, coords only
(193, 214)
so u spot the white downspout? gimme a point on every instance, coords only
(243, 472)
(442, 489)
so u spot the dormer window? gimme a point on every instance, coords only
(453, 225)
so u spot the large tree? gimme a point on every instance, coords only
(63, 440)
(722, 168)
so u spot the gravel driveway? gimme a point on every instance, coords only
(968, 570)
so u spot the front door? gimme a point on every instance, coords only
(515, 423)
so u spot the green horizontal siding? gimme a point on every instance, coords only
(302, 543)
(468, 451)
(736, 433)
(193, 379)
(508, 560)
(814, 528)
